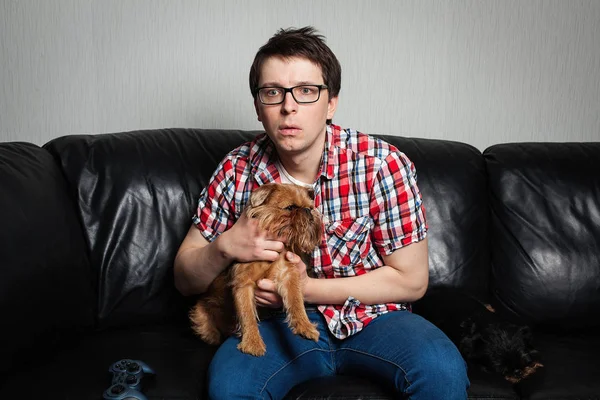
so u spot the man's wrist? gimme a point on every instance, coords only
(222, 249)
(309, 288)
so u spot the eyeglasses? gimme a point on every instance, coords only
(303, 94)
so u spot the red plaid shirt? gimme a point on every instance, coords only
(367, 193)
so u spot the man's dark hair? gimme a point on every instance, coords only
(305, 43)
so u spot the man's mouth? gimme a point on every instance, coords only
(289, 129)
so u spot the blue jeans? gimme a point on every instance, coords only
(399, 349)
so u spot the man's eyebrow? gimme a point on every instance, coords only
(270, 84)
(307, 83)
(275, 84)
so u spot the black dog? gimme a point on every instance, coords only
(483, 338)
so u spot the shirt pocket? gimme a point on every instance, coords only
(348, 243)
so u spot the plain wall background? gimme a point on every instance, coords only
(480, 72)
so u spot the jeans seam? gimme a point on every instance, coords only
(384, 360)
(332, 354)
(286, 364)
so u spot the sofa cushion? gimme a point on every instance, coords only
(570, 369)
(545, 201)
(46, 292)
(136, 192)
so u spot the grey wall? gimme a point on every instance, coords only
(481, 72)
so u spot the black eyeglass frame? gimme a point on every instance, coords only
(290, 91)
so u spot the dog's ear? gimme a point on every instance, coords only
(261, 194)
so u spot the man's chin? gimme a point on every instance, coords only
(288, 143)
(289, 148)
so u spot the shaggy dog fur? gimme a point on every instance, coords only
(483, 338)
(284, 210)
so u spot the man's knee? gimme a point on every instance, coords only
(228, 385)
(450, 364)
(445, 369)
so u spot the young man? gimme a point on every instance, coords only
(371, 263)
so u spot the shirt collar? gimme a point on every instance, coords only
(328, 164)
(263, 155)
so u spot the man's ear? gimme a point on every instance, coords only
(331, 107)
(257, 109)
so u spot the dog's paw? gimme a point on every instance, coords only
(253, 347)
(308, 330)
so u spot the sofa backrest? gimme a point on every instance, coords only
(545, 230)
(46, 292)
(452, 179)
(135, 194)
(531, 209)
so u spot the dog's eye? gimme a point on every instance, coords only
(291, 207)
(518, 373)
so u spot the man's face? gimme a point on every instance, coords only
(294, 128)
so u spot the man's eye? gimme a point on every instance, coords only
(307, 90)
(273, 92)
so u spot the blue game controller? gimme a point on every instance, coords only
(127, 380)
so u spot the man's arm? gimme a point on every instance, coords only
(198, 262)
(403, 278)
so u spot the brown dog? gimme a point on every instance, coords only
(283, 210)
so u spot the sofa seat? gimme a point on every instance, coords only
(570, 361)
(80, 370)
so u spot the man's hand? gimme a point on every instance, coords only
(245, 242)
(266, 294)
(198, 262)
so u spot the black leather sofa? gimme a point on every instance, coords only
(90, 225)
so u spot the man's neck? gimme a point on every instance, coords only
(303, 167)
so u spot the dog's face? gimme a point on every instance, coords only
(287, 211)
(512, 351)
(508, 350)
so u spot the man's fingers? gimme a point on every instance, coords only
(266, 285)
(291, 257)
(274, 245)
(266, 295)
(271, 250)
(268, 255)
(267, 302)
(260, 301)
(276, 238)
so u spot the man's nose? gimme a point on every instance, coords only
(289, 103)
